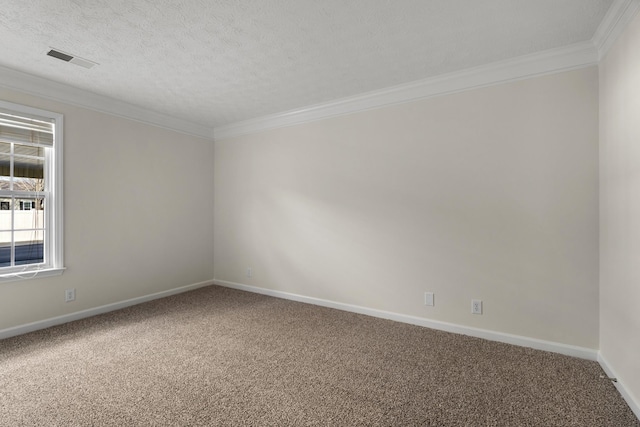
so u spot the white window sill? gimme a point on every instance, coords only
(35, 274)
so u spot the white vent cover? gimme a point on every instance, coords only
(67, 57)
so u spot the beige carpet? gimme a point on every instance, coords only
(217, 356)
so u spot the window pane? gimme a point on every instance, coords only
(28, 214)
(28, 150)
(5, 214)
(29, 252)
(28, 168)
(29, 244)
(5, 171)
(5, 162)
(5, 248)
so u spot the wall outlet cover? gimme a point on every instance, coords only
(69, 295)
(476, 306)
(428, 299)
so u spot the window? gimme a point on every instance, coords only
(30, 192)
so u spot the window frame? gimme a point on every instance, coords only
(54, 217)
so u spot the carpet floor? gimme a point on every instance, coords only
(221, 357)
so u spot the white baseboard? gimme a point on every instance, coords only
(59, 320)
(569, 350)
(619, 384)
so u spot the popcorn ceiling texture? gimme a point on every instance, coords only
(219, 62)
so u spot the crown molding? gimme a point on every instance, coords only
(551, 61)
(547, 62)
(614, 23)
(44, 88)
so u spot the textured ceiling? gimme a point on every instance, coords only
(215, 62)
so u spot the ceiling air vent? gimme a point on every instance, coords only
(71, 58)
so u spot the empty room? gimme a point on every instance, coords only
(300, 212)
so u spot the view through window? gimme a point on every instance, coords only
(22, 209)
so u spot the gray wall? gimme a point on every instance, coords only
(490, 194)
(137, 215)
(620, 209)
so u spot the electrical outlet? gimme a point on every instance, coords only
(428, 299)
(249, 272)
(476, 306)
(69, 295)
